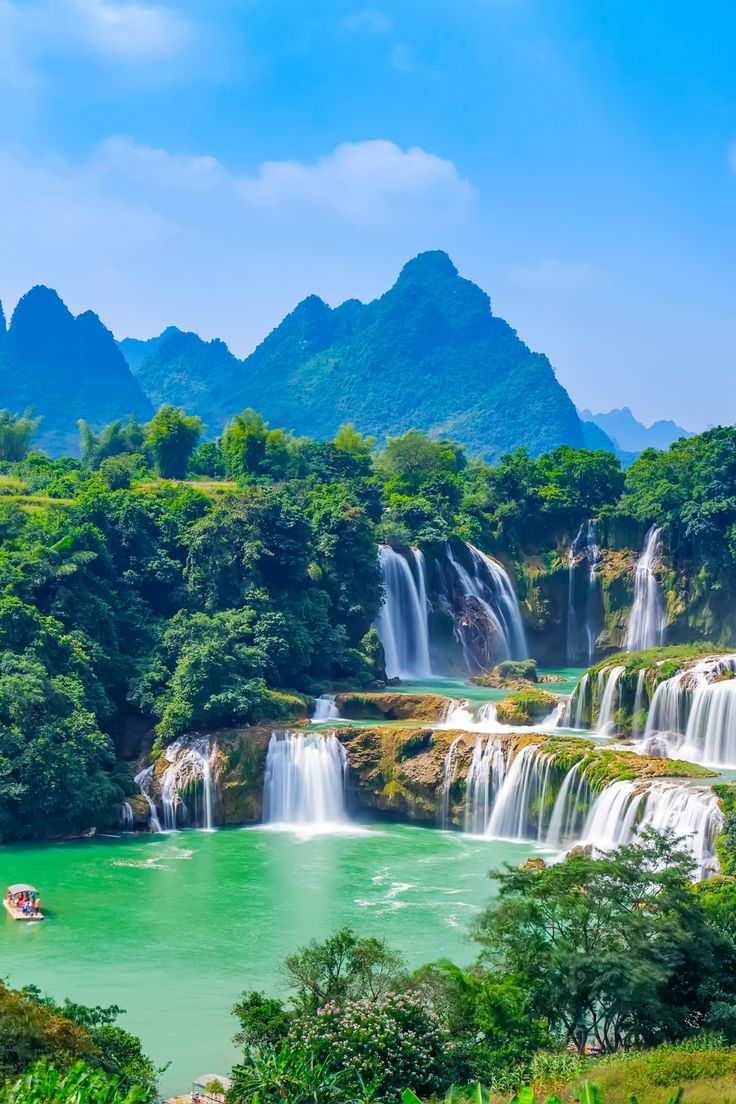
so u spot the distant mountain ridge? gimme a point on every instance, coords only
(428, 354)
(631, 435)
(64, 368)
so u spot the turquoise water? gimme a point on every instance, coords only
(174, 927)
(455, 688)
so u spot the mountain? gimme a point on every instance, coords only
(630, 435)
(64, 368)
(428, 354)
(180, 368)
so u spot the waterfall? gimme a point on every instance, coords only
(126, 817)
(611, 700)
(144, 782)
(563, 824)
(325, 709)
(189, 770)
(484, 780)
(305, 778)
(573, 715)
(638, 702)
(694, 713)
(624, 809)
(484, 718)
(402, 623)
(518, 811)
(581, 641)
(648, 619)
(448, 777)
(486, 611)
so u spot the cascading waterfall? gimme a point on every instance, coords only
(611, 699)
(126, 817)
(448, 777)
(581, 639)
(648, 618)
(488, 587)
(305, 779)
(693, 714)
(325, 709)
(638, 702)
(518, 811)
(402, 623)
(144, 782)
(189, 769)
(573, 795)
(625, 808)
(573, 715)
(484, 718)
(484, 780)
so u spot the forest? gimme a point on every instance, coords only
(163, 583)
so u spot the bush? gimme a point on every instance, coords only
(389, 1044)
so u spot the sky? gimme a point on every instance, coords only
(207, 165)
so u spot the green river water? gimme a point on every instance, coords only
(174, 927)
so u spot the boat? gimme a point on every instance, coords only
(17, 897)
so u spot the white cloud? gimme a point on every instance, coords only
(551, 274)
(369, 181)
(131, 31)
(112, 30)
(368, 20)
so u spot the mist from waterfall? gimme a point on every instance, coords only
(304, 783)
(582, 633)
(648, 617)
(402, 623)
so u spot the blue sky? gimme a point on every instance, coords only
(209, 164)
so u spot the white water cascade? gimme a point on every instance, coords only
(304, 784)
(126, 817)
(574, 793)
(610, 702)
(483, 717)
(648, 618)
(325, 709)
(483, 782)
(144, 782)
(581, 637)
(488, 585)
(573, 715)
(693, 714)
(190, 764)
(448, 777)
(402, 623)
(624, 809)
(518, 811)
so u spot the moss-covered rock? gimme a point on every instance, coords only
(525, 708)
(392, 707)
(511, 674)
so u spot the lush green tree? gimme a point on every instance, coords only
(264, 1022)
(252, 450)
(16, 433)
(614, 950)
(30, 1031)
(171, 438)
(343, 968)
(115, 439)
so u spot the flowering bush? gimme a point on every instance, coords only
(391, 1044)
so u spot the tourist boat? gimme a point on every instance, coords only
(15, 899)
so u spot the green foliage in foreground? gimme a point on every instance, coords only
(44, 1084)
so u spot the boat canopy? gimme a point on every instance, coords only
(22, 887)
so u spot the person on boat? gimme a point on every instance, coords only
(37, 904)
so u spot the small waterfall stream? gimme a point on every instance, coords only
(581, 637)
(304, 784)
(188, 775)
(144, 782)
(325, 709)
(648, 618)
(448, 777)
(126, 817)
(402, 623)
